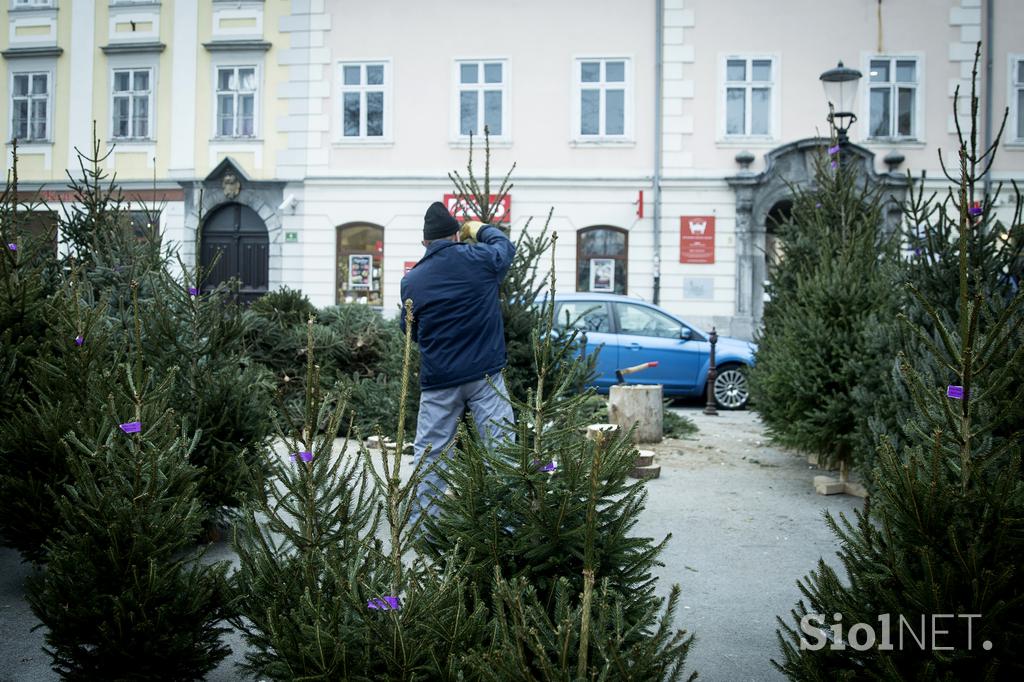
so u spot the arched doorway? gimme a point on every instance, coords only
(778, 215)
(359, 264)
(758, 195)
(235, 243)
(602, 259)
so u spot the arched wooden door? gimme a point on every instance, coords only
(235, 242)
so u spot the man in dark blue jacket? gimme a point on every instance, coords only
(458, 325)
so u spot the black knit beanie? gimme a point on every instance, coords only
(438, 222)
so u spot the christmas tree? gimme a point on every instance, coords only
(827, 296)
(77, 361)
(123, 595)
(27, 275)
(197, 336)
(323, 590)
(933, 588)
(930, 262)
(99, 239)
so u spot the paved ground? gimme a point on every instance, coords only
(745, 525)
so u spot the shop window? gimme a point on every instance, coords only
(360, 258)
(602, 263)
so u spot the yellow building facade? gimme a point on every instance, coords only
(147, 74)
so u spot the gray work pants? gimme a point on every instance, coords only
(440, 412)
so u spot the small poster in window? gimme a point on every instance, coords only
(360, 271)
(602, 274)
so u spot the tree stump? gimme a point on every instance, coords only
(640, 405)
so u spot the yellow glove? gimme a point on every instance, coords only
(469, 229)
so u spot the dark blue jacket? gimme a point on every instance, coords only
(456, 315)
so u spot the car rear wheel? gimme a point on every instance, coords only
(731, 392)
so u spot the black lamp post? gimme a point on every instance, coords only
(840, 86)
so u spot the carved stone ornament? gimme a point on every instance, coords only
(231, 185)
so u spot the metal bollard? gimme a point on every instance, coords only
(711, 408)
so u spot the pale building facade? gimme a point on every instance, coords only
(309, 136)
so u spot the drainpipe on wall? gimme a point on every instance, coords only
(659, 30)
(988, 88)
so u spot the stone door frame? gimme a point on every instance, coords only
(787, 167)
(217, 189)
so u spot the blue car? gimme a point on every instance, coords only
(628, 331)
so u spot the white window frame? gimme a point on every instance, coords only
(132, 97)
(749, 85)
(31, 4)
(30, 72)
(576, 122)
(917, 121)
(385, 89)
(458, 87)
(256, 93)
(1014, 87)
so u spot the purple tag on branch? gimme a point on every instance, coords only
(834, 165)
(384, 604)
(832, 151)
(304, 456)
(817, 205)
(193, 291)
(131, 427)
(79, 340)
(12, 246)
(956, 392)
(549, 467)
(975, 210)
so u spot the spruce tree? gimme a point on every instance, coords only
(930, 262)
(827, 297)
(325, 588)
(198, 335)
(77, 361)
(27, 277)
(943, 536)
(123, 595)
(99, 242)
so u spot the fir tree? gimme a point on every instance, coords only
(320, 594)
(77, 361)
(543, 520)
(198, 335)
(26, 277)
(122, 596)
(99, 242)
(827, 297)
(931, 263)
(944, 533)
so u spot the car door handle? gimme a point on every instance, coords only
(634, 346)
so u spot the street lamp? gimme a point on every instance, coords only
(840, 86)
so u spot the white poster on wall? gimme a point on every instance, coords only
(602, 274)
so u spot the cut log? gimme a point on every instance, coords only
(640, 405)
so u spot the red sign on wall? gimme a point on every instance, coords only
(409, 265)
(457, 207)
(697, 239)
